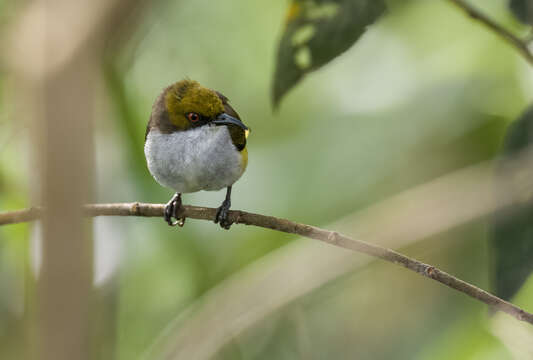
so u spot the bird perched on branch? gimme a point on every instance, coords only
(195, 141)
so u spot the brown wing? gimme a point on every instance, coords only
(238, 136)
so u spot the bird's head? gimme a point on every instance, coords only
(190, 105)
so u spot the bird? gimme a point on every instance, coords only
(195, 141)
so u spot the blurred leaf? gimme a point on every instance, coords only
(128, 121)
(512, 232)
(316, 32)
(468, 338)
(104, 309)
(134, 135)
(523, 10)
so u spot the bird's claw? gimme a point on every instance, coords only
(172, 210)
(222, 215)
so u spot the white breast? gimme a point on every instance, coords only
(203, 158)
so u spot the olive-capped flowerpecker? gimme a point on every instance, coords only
(195, 141)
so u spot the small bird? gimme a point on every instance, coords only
(195, 141)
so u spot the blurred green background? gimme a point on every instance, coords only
(425, 91)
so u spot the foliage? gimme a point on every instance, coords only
(512, 230)
(316, 31)
(523, 10)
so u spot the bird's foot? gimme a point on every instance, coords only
(222, 215)
(173, 209)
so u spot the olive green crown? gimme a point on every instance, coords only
(188, 96)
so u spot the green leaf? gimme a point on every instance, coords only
(317, 31)
(512, 230)
(523, 10)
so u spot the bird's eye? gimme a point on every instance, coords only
(193, 117)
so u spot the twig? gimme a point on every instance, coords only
(287, 226)
(512, 39)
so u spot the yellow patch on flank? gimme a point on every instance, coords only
(244, 161)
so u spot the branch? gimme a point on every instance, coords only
(512, 39)
(287, 226)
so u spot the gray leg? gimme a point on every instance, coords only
(223, 211)
(172, 210)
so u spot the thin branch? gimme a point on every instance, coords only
(455, 199)
(505, 34)
(287, 226)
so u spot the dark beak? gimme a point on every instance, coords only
(225, 119)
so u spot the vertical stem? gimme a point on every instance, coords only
(65, 279)
(63, 92)
(55, 50)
